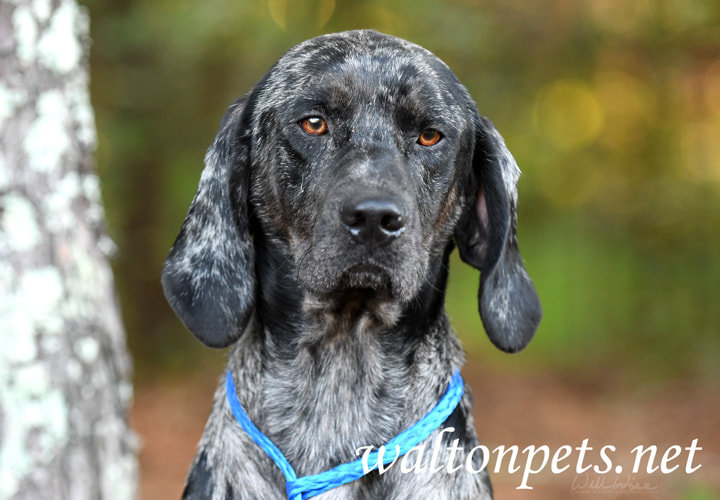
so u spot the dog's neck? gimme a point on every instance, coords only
(331, 380)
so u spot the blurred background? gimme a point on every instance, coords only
(612, 109)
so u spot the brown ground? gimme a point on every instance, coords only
(510, 409)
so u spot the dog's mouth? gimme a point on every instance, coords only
(367, 276)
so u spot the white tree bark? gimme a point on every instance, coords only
(64, 367)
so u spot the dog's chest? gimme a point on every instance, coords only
(320, 414)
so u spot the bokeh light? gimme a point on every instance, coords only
(290, 15)
(629, 106)
(568, 114)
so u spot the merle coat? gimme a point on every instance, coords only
(317, 247)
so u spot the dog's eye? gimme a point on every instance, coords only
(429, 137)
(314, 125)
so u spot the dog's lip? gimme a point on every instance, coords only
(369, 268)
(366, 275)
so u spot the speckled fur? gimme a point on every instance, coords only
(337, 345)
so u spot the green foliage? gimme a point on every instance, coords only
(701, 494)
(611, 108)
(608, 303)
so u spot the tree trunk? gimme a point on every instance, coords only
(64, 367)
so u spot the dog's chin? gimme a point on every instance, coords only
(361, 299)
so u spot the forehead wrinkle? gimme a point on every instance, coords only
(392, 82)
(362, 68)
(325, 53)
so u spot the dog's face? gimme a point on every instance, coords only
(356, 157)
(360, 156)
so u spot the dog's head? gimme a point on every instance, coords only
(361, 156)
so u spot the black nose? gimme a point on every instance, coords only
(373, 221)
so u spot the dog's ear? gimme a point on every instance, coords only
(209, 276)
(486, 239)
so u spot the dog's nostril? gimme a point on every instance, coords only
(353, 219)
(392, 222)
(373, 221)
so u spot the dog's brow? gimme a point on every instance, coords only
(332, 96)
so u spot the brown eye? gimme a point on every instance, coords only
(314, 125)
(429, 137)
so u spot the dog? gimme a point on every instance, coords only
(317, 247)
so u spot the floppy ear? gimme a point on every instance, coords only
(486, 239)
(209, 276)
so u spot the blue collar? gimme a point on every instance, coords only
(309, 486)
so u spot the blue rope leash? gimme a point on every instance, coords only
(310, 486)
